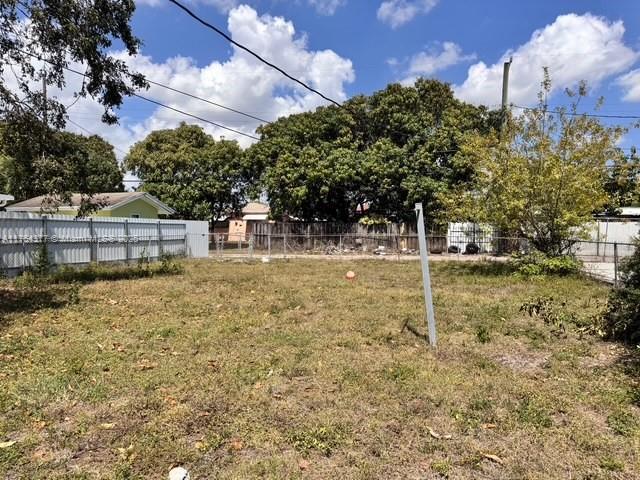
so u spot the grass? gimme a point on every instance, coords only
(287, 370)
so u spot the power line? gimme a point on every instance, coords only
(195, 116)
(207, 101)
(162, 104)
(576, 114)
(92, 133)
(248, 50)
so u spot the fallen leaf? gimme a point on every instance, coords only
(433, 433)
(236, 445)
(493, 458)
(7, 444)
(303, 464)
(489, 425)
(107, 426)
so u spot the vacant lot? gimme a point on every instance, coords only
(286, 370)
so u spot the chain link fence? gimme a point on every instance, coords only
(601, 259)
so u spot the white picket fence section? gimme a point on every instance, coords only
(80, 241)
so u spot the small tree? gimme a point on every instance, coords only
(542, 177)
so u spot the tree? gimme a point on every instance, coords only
(39, 39)
(60, 32)
(543, 176)
(186, 168)
(621, 182)
(71, 163)
(386, 151)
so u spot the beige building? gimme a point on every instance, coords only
(252, 213)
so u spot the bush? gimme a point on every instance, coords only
(537, 264)
(621, 319)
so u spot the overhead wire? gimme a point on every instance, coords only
(251, 52)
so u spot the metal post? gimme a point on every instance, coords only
(159, 239)
(284, 243)
(615, 264)
(340, 245)
(251, 247)
(269, 244)
(426, 277)
(92, 238)
(126, 239)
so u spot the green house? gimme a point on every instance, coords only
(116, 204)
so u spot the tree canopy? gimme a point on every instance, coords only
(383, 152)
(202, 179)
(544, 176)
(70, 163)
(59, 33)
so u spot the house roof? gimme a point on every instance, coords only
(256, 208)
(108, 201)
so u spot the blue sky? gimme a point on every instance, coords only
(346, 47)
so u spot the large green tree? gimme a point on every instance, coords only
(70, 163)
(543, 176)
(202, 179)
(386, 151)
(39, 39)
(60, 32)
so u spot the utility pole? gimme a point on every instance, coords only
(505, 83)
(505, 90)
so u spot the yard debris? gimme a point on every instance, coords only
(489, 425)
(146, 365)
(236, 445)
(107, 426)
(179, 473)
(493, 458)
(7, 444)
(351, 275)
(436, 435)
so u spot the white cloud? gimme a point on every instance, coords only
(630, 82)
(574, 47)
(433, 60)
(240, 82)
(398, 12)
(326, 7)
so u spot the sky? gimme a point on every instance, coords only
(349, 47)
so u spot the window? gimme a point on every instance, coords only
(135, 215)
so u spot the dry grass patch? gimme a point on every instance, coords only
(286, 370)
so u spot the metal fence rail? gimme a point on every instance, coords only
(78, 241)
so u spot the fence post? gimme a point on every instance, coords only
(126, 239)
(615, 264)
(340, 245)
(159, 239)
(426, 277)
(284, 243)
(24, 255)
(269, 244)
(251, 247)
(92, 239)
(45, 235)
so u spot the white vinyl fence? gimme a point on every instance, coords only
(80, 241)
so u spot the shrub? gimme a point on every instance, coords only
(621, 319)
(537, 264)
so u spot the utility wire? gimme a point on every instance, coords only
(207, 101)
(576, 114)
(248, 50)
(194, 116)
(164, 105)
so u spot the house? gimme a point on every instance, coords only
(4, 199)
(115, 204)
(252, 213)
